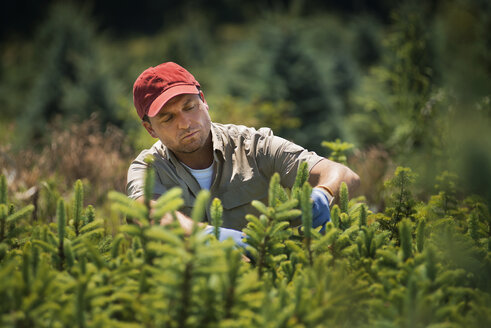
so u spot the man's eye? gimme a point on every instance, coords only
(190, 108)
(167, 118)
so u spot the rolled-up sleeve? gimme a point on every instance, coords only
(136, 177)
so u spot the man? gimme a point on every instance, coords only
(234, 162)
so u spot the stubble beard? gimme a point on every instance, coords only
(203, 138)
(189, 149)
(186, 151)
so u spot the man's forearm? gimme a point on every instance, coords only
(331, 174)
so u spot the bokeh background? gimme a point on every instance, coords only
(406, 82)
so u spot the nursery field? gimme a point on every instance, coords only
(413, 265)
(398, 91)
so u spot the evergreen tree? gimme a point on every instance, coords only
(151, 275)
(395, 100)
(69, 79)
(401, 202)
(301, 84)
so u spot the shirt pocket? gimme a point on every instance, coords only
(189, 200)
(236, 202)
(243, 193)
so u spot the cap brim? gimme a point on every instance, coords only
(168, 94)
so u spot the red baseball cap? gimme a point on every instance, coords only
(157, 85)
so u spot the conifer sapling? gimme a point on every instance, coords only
(420, 235)
(78, 205)
(335, 214)
(69, 257)
(343, 198)
(363, 216)
(274, 192)
(3, 217)
(300, 179)
(3, 189)
(61, 217)
(23, 212)
(149, 184)
(406, 239)
(200, 205)
(216, 212)
(89, 214)
(430, 257)
(25, 265)
(473, 226)
(306, 206)
(115, 246)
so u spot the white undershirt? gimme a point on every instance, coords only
(204, 176)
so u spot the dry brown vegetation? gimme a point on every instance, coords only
(374, 166)
(79, 151)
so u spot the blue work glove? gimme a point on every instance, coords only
(321, 214)
(229, 233)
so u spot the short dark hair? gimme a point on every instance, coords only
(200, 95)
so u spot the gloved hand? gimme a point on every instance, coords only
(321, 213)
(229, 233)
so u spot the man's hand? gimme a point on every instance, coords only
(185, 222)
(321, 213)
(225, 233)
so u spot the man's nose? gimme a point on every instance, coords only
(183, 121)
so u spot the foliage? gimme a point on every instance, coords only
(66, 77)
(338, 150)
(401, 85)
(78, 271)
(216, 212)
(401, 203)
(286, 83)
(275, 115)
(419, 103)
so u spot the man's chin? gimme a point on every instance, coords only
(189, 150)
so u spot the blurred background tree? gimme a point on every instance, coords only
(63, 75)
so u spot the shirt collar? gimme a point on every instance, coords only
(217, 140)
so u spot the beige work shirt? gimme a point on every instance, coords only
(244, 161)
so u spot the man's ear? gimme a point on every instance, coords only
(202, 96)
(149, 128)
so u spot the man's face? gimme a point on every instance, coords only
(183, 124)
